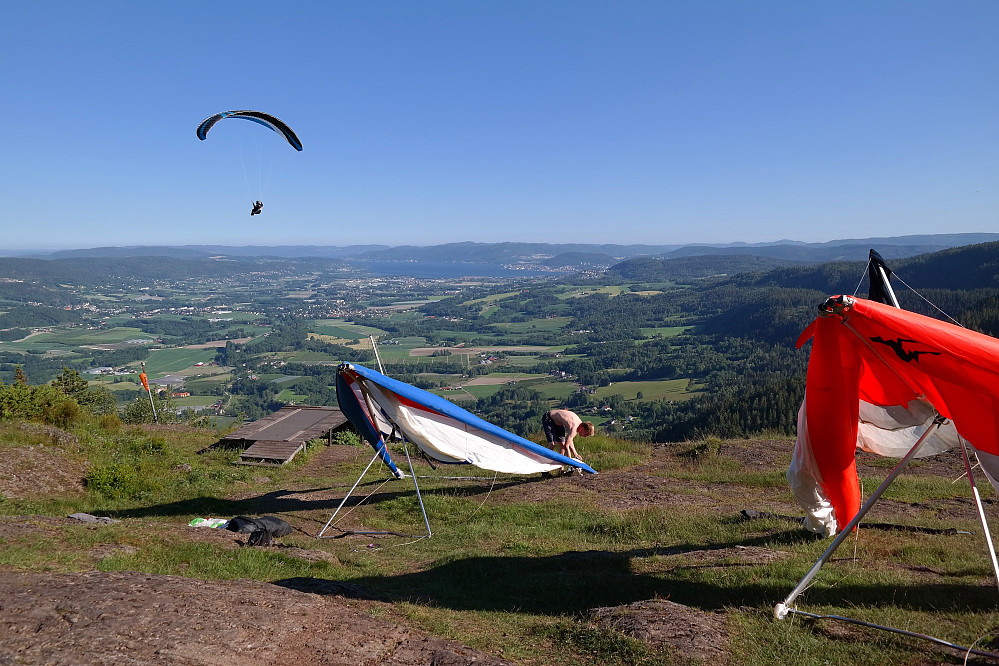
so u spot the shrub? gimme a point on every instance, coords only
(110, 422)
(37, 403)
(113, 481)
(347, 438)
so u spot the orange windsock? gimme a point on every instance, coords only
(142, 378)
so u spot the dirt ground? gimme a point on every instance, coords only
(138, 618)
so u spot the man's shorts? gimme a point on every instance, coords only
(554, 433)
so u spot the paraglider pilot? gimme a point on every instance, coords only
(257, 207)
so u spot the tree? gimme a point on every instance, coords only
(97, 399)
(71, 383)
(139, 410)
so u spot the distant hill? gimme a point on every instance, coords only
(542, 253)
(105, 270)
(842, 250)
(508, 252)
(579, 260)
(968, 267)
(649, 269)
(206, 251)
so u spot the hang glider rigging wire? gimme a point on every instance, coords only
(894, 274)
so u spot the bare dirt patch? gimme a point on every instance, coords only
(131, 618)
(32, 471)
(665, 624)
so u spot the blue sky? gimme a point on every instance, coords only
(430, 122)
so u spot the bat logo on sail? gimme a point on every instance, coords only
(897, 346)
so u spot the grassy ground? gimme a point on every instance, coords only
(515, 565)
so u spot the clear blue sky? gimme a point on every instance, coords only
(426, 122)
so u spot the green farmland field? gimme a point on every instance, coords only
(206, 384)
(164, 361)
(195, 401)
(670, 389)
(663, 331)
(492, 298)
(533, 326)
(340, 329)
(400, 353)
(78, 336)
(308, 357)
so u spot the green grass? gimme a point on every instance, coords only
(552, 390)
(342, 329)
(400, 352)
(492, 298)
(663, 331)
(669, 389)
(533, 326)
(469, 392)
(195, 401)
(165, 361)
(307, 356)
(579, 292)
(208, 383)
(67, 338)
(516, 564)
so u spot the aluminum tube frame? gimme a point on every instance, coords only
(322, 533)
(980, 508)
(781, 610)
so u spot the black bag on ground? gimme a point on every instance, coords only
(271, 525)
(242, 525)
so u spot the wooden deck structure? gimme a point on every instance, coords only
(275, 439)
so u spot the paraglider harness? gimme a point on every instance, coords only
(257, 208)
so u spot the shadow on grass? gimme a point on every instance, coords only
(289, 501)
(576, 582)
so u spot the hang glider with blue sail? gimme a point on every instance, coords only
(377, 405)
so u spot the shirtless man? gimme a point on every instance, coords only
(561, 427)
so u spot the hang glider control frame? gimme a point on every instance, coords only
(840, 307)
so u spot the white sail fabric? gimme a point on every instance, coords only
(443, 431)
(450, 441)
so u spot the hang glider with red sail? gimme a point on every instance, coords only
(879, 378)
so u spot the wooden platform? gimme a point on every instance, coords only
(277, 438)
(270, 453)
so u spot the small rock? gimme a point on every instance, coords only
(87, 518)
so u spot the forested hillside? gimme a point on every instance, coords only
(658, 350)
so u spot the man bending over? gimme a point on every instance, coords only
(561, 427)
